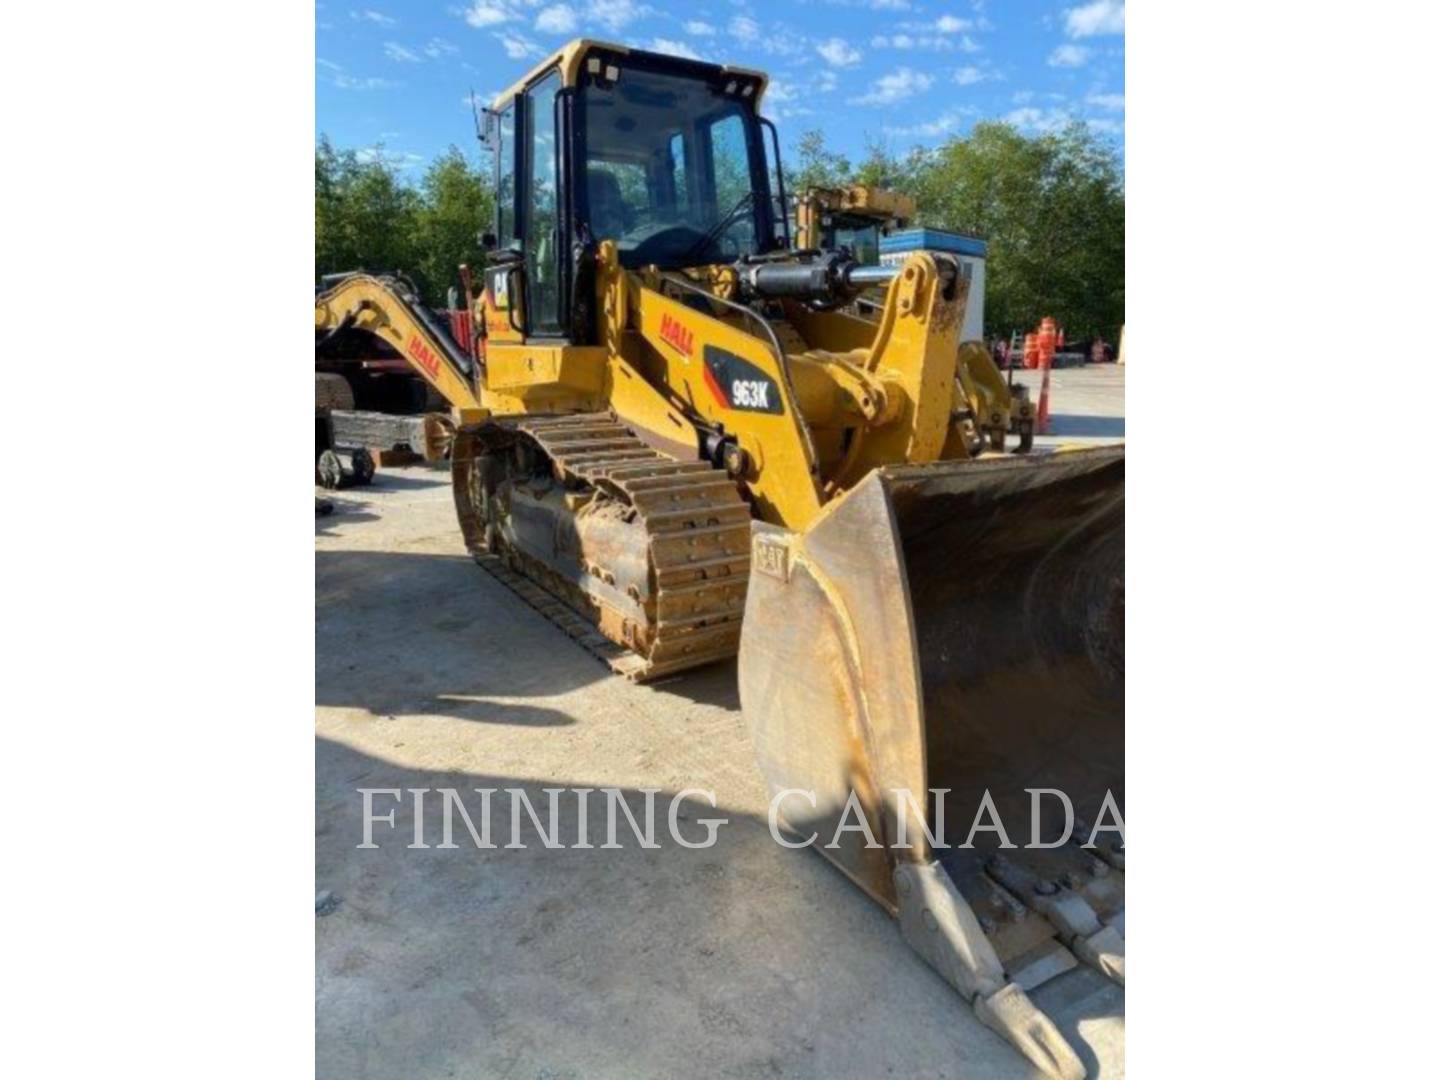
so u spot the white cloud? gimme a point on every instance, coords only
(1028, 117)
(943, 124)
(1096, 17)
(782, 41)
(837, 52)
(342, 80)
(968, 76)
(1114, 102)
(779, 92)
(517, 46)
(696, 28)
(672, 48)
(1042, 120)
(350, 82)
(436, 47)
(377, 17)
(827, 81)
(949, 24)
(1109, 127)
(400, 54)
(486, 13)
(1068, 56)
(897, 86)
(615, 15)
(920, 41)
(559, 19)
(744, 28)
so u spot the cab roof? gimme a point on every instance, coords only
(570, 57)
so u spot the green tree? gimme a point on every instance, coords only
(1051, 207)
(819, 167)
(458, 205)
(365, 215)
(368, 217)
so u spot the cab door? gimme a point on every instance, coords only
(502, 299)
(542, 241)
(525, 280)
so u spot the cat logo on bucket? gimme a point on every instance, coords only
(676, 334)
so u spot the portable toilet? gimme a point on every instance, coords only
(970, 250)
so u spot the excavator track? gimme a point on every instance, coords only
(688, 516)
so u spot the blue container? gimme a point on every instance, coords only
(900, 243)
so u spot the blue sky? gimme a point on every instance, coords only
(396, 74)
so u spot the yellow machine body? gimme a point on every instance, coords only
(706, 455)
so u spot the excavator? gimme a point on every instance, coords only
(676, 441)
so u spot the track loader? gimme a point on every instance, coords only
(678, 444)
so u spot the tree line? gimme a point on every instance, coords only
(368, 216)
(1050, 206)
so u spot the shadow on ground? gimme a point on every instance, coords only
(342, 512)
(395, 481)
(743, 959)
(407, 633)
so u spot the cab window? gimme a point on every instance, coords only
(505, 178)
(542, 240)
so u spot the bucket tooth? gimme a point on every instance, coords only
(1105, 952)
(1097, 944)
(1011, 1013)
(938, 924)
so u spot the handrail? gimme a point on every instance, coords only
(780, 358)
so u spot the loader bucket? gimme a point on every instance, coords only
(956, 626)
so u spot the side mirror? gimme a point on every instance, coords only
(487, 124)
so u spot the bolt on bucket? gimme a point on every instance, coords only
(958, 626)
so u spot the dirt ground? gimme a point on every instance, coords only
(743, 959)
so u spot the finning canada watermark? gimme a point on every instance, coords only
(490, 818)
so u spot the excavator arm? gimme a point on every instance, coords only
(388, 308)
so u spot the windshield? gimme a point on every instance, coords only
(668, 172)
(860, 236)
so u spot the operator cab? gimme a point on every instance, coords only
(665, 156)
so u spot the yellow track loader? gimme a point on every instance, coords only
(678, 443)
